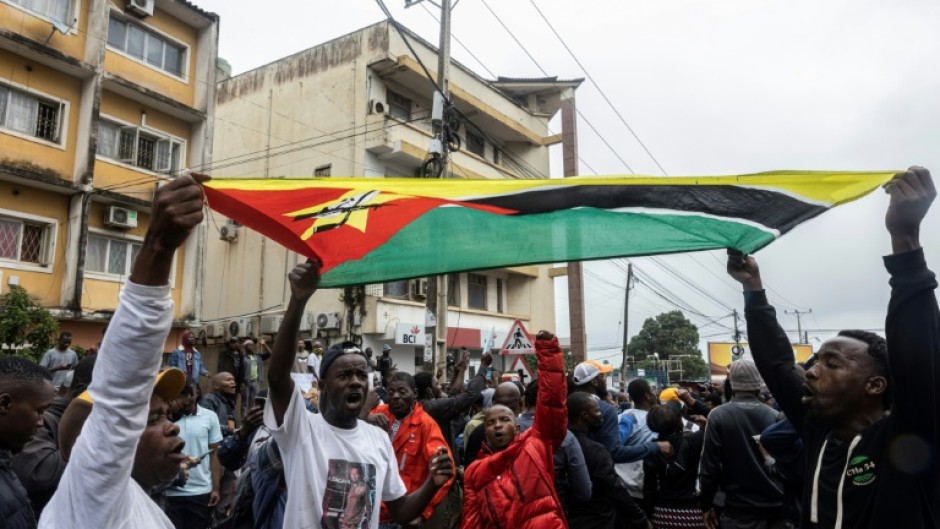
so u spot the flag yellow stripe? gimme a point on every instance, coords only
(824, 187)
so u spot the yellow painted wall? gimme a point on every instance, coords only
(100, 294)
(37, 28)
(155, 79)
(47, 288)
(51, 83)
(125, 179)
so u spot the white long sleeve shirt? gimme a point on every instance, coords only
(97, 491)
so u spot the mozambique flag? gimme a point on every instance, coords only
(376, 230)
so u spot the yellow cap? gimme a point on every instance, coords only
(170, 381)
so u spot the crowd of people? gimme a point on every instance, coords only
(340, 439)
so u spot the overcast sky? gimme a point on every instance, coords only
(713, 87)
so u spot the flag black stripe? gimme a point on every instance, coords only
(768, 208)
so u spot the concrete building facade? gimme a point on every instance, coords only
(100, 100)
(360, 106)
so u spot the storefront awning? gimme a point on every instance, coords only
(463, 337)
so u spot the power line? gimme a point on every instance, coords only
(545, 73)
(598, 87)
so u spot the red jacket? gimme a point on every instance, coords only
(416, 442)
(515, 488)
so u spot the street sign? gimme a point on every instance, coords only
(518, 341)
(519, 363)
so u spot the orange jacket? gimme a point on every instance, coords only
(416, 442)
(515, 487)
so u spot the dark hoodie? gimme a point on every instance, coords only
(889, 475)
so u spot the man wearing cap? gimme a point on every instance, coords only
(731, 460)
(343, 467)
(591, 377)
(127, 444)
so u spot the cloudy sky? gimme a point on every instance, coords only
(713, 87)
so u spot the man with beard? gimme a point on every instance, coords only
(189, 505)
(591, 377)
(319, 450)
(868, 410)
(608, 492)
(511, 484)
(416, 439)
(127, 444)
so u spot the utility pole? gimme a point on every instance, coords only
(626, 321)
(737, 350)
(436, 300)
(569, 146)
(799, 323)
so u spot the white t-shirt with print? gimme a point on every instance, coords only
(337, 477)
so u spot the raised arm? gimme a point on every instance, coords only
(448, 408)
(913, 321)
(551, 413)
(303, 283)
(769, 344)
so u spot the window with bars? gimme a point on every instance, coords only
(24, 241)
(110, 256)
(399, 106)
(139, 147)
(146, 45)
(30, 115)
(475, 144)
(54, 9)
(476, 291)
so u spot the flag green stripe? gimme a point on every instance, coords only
(453, 239)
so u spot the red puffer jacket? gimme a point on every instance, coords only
(515, 488)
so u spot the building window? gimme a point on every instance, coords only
(30, 115)
(476, 291)
(54, 9)
(399, 106)
(144, 148)
(499, 296)
(25, 241)
(110, 256)
(475, 144)
(496, 154)
(323, 170)
(453, 290)
(397, 289)
(146, 46)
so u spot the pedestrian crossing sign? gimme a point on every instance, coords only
(518, 341)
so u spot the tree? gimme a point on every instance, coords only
(668, 334)
(25, 326)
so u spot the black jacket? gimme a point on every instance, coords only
(608, 493)
(445, 409)
(889, 477)
(732, 461)
(671, 481)
(224, 408)
(15, 509)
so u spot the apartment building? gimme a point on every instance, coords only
(100, 100)
(360, 106)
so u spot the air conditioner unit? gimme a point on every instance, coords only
(306, 322)
(124, 218)
(141, 8)
(215, 330)
(328, 320)
(376, 107)
(228, 232)
(271, 324)
(419, 288)
(239, 328)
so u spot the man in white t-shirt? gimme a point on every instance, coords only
(337, 467)
(313, 362)
(127, 445)
(60, 360)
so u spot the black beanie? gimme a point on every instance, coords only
(335, 351)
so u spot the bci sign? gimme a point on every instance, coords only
(409, 334)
